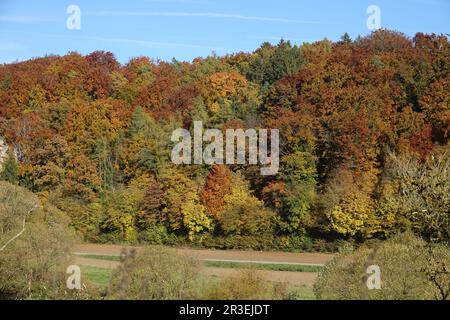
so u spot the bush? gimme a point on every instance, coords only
(299, 243)
(155, 274)
(154, 234)
(261, 242)
(410, 269)
(35, 243)
(238, 242)
(246, 285)
(419, 192)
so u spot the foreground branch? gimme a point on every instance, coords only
(22, 231)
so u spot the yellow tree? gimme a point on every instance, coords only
(243, 213)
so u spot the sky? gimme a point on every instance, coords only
(186, 29)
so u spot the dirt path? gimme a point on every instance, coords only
(105, 264)
(222, 255)
(296, 278)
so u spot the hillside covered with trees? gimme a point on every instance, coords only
(364, 142)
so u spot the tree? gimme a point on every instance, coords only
(436, 106)
(121, 210)
(244, 214)
(10, 170)
(82, 126)
(348, 204)
(49, 161)
(147, 147)
(419, 192)
(152, 205)
(82, 180)
(269, 64)
(299, 175)
(195, 219)
(218, 184)
(227, 96)
(182, 210)
(346, 38)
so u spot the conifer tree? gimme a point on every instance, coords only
(10, 170)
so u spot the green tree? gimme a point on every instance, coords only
(271, 63)
(10, 170)
(346, 38)
(299, 175)
(121, 209)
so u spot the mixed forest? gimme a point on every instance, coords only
(364, 143)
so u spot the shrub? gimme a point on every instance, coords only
(155, 274)
(410, 269)
(238, 242)
(300, 243)
(243, 213)
(154, 234)
(35, 243)
(246, 285)
(419, 192)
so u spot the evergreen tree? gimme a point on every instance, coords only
(10, 170)
(346, 38)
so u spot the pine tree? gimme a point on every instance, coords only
(139, 121)
(10, 170)
(346, 38)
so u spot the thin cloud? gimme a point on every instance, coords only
(206, 15)
(278, 38)
(434, 2)
(143, 43)
(24, 19)
(181, 1)
(157, 43)
(9, 46)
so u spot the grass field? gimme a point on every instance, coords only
(100, 257)
(263, 266)
(302, 293)
(98, 276)
(102, 276)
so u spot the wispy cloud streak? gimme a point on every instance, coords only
(135, 42)
(278, 38)
(434, 2)
(24, 19)
(206, 15)
(146, 43)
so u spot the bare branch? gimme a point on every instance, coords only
(21, 232)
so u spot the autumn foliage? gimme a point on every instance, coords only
(360, 122)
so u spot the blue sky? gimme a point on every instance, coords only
(186, 29)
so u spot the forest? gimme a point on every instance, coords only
(364, 143)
